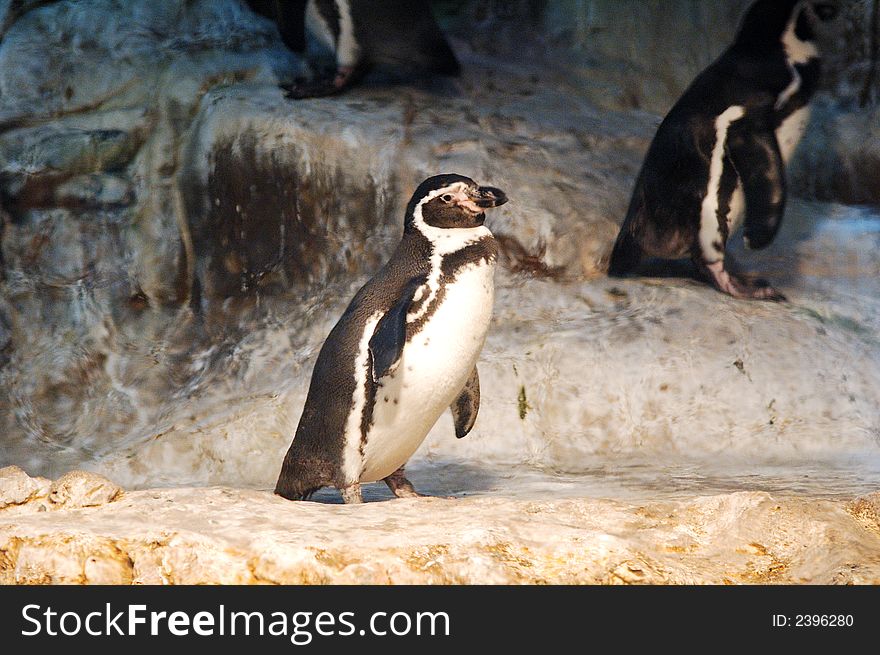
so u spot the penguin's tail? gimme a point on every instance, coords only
(626, 256)
(292, 492)
(298, 480)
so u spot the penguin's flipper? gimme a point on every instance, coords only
(627, 254)
(389, 337)
(466, 405)
(756, 157)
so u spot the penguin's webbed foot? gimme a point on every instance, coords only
(315, 89)
(324, 84)
(400, 486)
(345, 76)
(351, 495)
(736, 286)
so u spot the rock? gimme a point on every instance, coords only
(40, 162)
(19, 491)
(867, 510)
(5, 332)
(220, 535)
(94, 191)
(82, 489)
(840, 156)
(644, 55)
(18, 488)
(124, 49)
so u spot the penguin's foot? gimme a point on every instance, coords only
(344, 76)
(315, 89)
(400, 486)
(351, 495)
(324, 84)
(736, 286)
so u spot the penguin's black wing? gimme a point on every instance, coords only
(754, 152)
(466, 405)
(389, 337)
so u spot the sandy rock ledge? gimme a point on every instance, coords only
(221, 535)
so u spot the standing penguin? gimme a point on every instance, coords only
(404, 350)
(401, 34)
(720, 153)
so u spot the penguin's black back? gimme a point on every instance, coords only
(400, 33)
(314, 458)
(404, 34)
(663, 219)
(290, 18)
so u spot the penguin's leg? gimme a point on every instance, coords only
(351, 495)
(342, 79)
(345, 76)
(734, 286)
(400, 486)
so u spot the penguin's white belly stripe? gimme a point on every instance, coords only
(709, 228)
(791, 89)
(351, 452)
(347, 50)
(318, 26)
(434, 368)
(789, 134)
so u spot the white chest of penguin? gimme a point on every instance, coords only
(433, 368)
(789, 134)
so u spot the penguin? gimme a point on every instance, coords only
(718, 158)
(400, 34)
(403, 351)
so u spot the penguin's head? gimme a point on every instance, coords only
(767, 20)
(451, 202)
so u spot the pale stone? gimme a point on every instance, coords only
(82, 489)
(18, 488)
(219, 535)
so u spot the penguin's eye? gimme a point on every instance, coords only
(446, 197)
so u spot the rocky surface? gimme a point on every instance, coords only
(222, 535)
(22, 494)
(164, 205)
(176, 239)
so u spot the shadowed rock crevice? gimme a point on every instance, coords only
(267, 228)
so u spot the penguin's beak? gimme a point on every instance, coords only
(487, 196)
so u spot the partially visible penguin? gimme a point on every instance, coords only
(404, 350)
(400, 34)
(719, 155)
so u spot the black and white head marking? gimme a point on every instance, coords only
(798, 43)
(450, 217)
